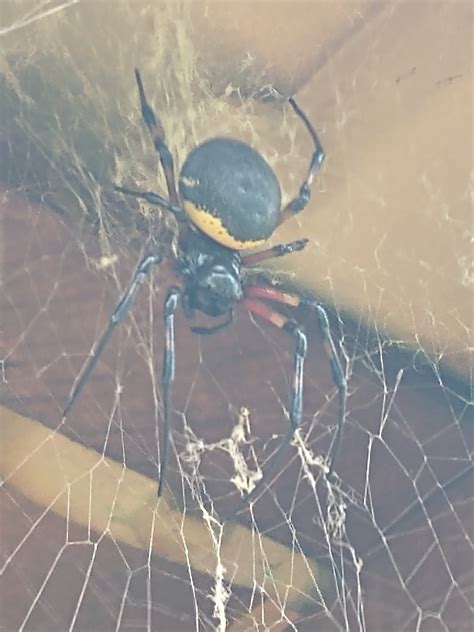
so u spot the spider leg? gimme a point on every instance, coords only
(159, 141)
(296, 409)
(339, 380)
(118, 315)
(276, 251)
(157, 200)
(298, 203)
(208, 331)
(338, 377)
(167, 378)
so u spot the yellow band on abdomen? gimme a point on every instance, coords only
(214, 228)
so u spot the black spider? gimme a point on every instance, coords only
(229, 200)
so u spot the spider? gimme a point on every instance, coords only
(229, 201)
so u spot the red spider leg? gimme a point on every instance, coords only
(296, 408)
(276, 251)
(273, 294)
(295, 300)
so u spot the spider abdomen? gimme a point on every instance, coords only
(230, 193)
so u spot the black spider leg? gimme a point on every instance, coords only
(280, 250)
(296, 407)
(166, 159)
(156, 199)
(167, 378)
(339, 380)
(118, 315)
(298, 203)
(159, 141)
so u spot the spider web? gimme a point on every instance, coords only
(387, 545)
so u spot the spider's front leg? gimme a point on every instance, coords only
(292, 299)
(296, 408)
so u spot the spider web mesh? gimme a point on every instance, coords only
(85, 545)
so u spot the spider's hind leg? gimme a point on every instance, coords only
(159, 141)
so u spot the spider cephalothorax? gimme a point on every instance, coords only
(211, 275)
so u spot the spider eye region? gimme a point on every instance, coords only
(230, 193)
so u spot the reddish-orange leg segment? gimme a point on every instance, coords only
(273, 294)
(338, 376)
(296, 408)
(253, 302)
(295, 300)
